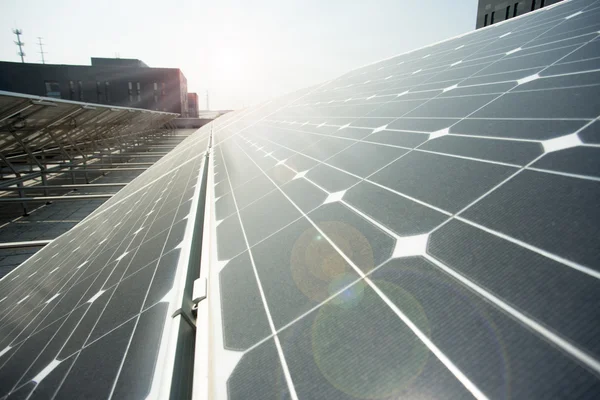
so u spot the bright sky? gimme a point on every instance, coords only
(243, 52)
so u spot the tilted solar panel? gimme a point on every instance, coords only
(422, 227)
(95, 313)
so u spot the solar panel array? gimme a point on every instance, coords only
(84, 317)
(425, 226)
(422, 227)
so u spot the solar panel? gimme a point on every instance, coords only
(94, 313)
(425, 226)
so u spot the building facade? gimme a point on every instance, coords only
(490, 12)
(119, 82)
(193, 105)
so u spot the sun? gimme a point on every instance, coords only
(231, 63)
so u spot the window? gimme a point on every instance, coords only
(485, 20)
(130, 91)
(52, 89)
(532, 5)
(542, 3)
(98, 92)
(515, 9)
(162, 91)
(507, 12)
(139, 92)
(492, 19)
(107, 91)
(71, 90)
(80, 88)
(156, 93)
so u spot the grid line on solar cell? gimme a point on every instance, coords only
(582, 356)
(547, 171)
(265, 116)
(444, 211)
(488, 160)
(282, 359)
(502, 94)
(459, 120)
(149, 205)
(450, 83)
(145, 186)
(366, 179)
(406, 148)
(190, 177)
(98, 249)
(430, 345)
(454, 88)
(531, 19)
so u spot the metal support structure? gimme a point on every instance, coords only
(31, 157)
(21, 245)
(19, 184)
(65, 153)
(55, 198)
(135, 155)
(42, 139)
(117, 164)
(62, 187)
(86, 170)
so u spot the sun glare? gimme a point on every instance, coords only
(229, 63)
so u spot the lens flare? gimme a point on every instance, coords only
(349, 294)
(317, 268)
(362, 348)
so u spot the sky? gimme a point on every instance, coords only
(242, 52)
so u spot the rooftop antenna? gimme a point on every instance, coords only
(207, 103)
(42, 52)
(19, 32)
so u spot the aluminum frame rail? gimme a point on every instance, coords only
(43, 137)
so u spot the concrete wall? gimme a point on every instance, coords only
(193, 105)
(189, 123)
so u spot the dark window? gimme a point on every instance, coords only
(80, 87)
(532, 5)
(98, 93)
(492, 19)
(71, 90)
(52, 89)
(485, 20)
(107, 91)
(542, 3)
(507, 12)
(515, 9)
